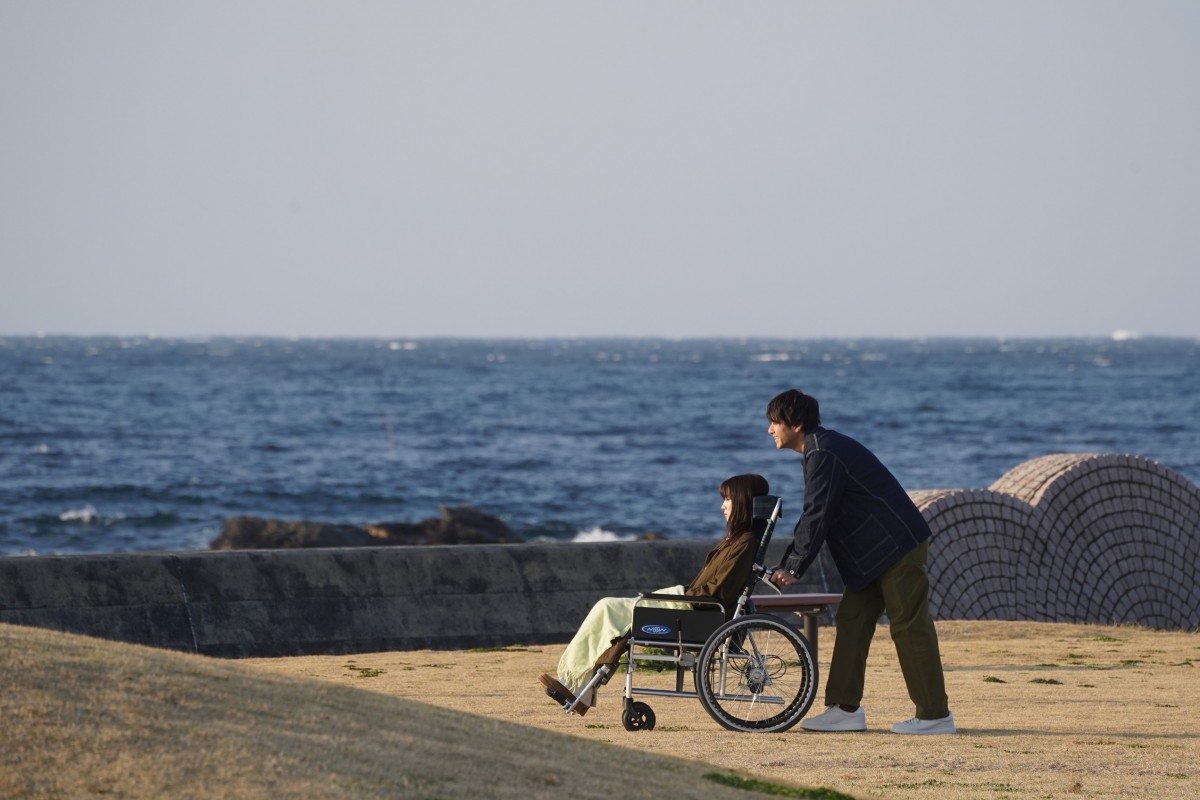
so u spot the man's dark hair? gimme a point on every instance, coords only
(794, 408)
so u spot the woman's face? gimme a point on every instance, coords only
(727, 508)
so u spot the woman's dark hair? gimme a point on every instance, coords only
(794, 408)
(741, 490)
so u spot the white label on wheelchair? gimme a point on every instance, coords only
(655, 630)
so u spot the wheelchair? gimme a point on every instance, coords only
(752, 672)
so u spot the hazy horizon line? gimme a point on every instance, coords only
(1118, 335)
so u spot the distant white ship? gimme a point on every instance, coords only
(1124, 336)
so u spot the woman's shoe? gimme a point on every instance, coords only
(561, 694)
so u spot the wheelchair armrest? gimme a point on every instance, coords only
(674, 598)
(696, 601)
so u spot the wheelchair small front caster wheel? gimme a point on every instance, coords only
(638, 717)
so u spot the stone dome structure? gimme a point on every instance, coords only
(1102, 538)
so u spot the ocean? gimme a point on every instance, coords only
(144, 444)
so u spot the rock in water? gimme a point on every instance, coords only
(468, 525)
(253, 533)
(459, 525)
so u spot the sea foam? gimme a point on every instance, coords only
(87, 515)
(601, 535)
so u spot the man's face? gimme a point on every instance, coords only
(787, 437)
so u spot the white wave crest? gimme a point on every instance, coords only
(86, 515)
(600, 535)
(26, 553)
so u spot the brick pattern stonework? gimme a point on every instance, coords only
(1103, 538)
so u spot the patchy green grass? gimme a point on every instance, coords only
(934, 783)
(508, 648)
(925, 784)
(366, 672)
(775, 789)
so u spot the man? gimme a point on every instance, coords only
(879, 541)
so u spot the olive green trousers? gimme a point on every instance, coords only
(903, 592)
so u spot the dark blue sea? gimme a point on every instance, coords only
(143, 444)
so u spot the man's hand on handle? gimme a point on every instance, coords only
(781, 578)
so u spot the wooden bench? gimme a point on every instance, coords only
(810, 606)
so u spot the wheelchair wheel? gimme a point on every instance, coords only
(638, 717)
(756, 674)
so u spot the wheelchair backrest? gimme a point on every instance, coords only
(767, 507)
(764, 506)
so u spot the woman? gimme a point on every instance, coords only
(723, 576)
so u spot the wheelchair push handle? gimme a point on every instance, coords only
(775, 512)
(761, 504)
(764, 576)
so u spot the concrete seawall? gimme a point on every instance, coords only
(346, 600)
(1102, 538)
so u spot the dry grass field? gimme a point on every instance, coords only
(84, 718)
(1045, 710)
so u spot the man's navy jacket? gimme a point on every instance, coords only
(853, 502)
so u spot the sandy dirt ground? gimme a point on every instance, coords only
(1043, 710)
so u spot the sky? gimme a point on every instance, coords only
(559, 169)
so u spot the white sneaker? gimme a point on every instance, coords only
(834, 719)
(926, 726)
